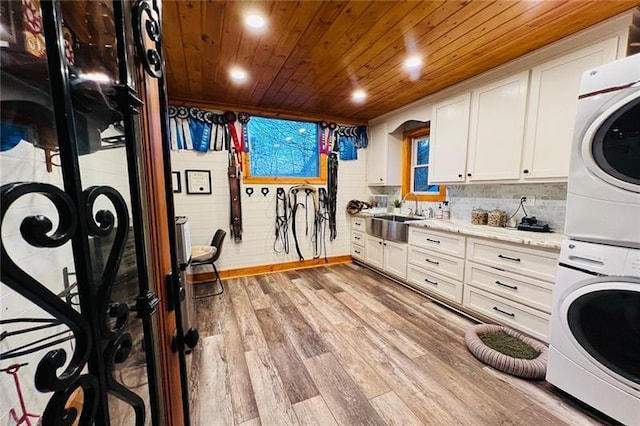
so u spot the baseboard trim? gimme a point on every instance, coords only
(268, 269)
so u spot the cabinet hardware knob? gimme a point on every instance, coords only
(469, 174)
(433, 241)
(357, 238)
(380, 179)
(495, 308)
(380, 242)
(357, 251)
(385, 244)
(515, 259)
(430, 282)
(460, 175)
(432, 261)
(525, 171)
(513, 287)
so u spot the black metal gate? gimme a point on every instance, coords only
(78, 327)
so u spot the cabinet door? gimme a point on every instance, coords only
(497, 129)
(395, 259)
(552, 109)
(449, 134)
(376, 155)
(374, 252)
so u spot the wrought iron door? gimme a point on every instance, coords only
(78, 325)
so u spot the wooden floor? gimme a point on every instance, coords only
(343, 345)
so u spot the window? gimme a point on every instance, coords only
(283, 151)
(416, 167)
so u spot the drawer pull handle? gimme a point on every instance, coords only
(356, 238)
(430, 282)
(515, 259)
(513, 287)
(432, 261)
(433, 241)
(357, 251)
(495, 308)
(357, 223)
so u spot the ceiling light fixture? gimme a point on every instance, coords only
(359, 95)
(413, 62)
(238, 74)
(254, 21)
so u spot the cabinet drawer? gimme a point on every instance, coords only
(358, 224)
(357, 252)
(357, 237)
(507, 312)
(534, 263)
(430, 282)
(442, 264)
(442, 242)
(528, 291)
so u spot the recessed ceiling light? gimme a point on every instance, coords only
(238, 74)
(413, 62)
(254, 21)
(359, 95)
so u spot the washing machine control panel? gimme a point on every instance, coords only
(632, 265)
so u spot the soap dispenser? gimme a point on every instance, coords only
(446, 211)
(439, 212)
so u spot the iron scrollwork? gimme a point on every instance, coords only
(36, 230)
(146, 30)
(119, 342)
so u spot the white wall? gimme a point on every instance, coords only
(207, 213)
(26, 163)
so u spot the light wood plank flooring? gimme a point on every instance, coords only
(342, 345)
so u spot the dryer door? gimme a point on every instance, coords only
(604, 323)
(611, 148)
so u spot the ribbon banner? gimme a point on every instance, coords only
(192, 128)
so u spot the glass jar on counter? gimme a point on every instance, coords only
(496, 218)
(479, 217)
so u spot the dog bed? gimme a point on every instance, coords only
(534, 368)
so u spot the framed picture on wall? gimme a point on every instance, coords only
(176, 182)
(198, 181)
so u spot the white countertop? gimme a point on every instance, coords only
(549, 240)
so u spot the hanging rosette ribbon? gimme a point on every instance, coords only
(332, 138)
(323, 128)
(230, 116)
(173, 128)
(243, 118)
(184, 132)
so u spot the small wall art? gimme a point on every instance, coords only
(176, 182)
(198, 181)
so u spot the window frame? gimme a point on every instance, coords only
(250, 179)
(408, 166)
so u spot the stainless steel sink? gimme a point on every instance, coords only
(390, 227)
(395, 218)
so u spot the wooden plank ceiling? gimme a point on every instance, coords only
(313, 54)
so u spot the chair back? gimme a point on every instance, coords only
(216, 241)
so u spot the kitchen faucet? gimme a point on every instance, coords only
(415, 197)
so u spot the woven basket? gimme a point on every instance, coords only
(526, 368)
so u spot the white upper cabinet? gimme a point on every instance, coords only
(552, 110)
(496, 129)
(384, 160)
(449, 135)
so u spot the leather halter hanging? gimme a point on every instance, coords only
(332, 193)
(235, 211)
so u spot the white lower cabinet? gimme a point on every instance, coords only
(436, 262)
(395, 258)
(508, 283)
(389, 256)
(374, 252)
(511, 284)
(516, 315)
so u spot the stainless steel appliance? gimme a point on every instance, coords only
(183, 248)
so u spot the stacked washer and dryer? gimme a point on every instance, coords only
(594, 351)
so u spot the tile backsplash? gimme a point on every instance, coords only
(550, 202)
